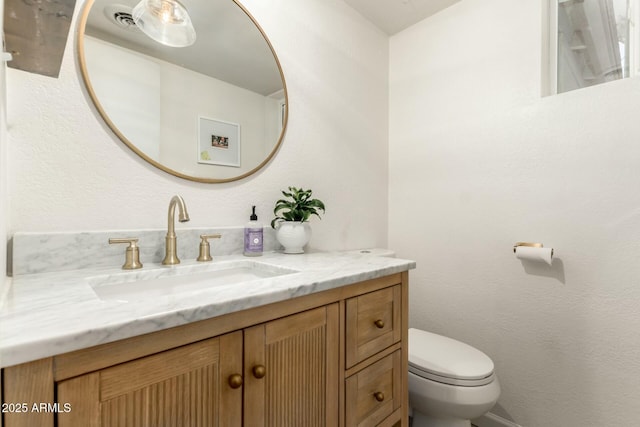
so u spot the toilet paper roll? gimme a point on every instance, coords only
(535, 254)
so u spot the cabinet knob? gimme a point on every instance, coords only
(259, 371)
(379, 323)
(235, 381)
(379, 396)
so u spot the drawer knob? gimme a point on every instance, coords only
(379, 396)
(235, 381)
(259, 371)
(379, 323)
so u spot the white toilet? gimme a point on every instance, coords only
(450, 383)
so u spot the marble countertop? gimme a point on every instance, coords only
(53, 313)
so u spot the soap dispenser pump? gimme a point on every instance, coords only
(253, 234)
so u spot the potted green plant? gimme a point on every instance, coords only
(292, 214)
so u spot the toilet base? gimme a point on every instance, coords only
(422, 420)
(442, 405)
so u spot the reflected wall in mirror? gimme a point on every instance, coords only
(592, 42)
(163, 102)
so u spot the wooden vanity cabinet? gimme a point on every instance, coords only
(289, 377)
(334, 358)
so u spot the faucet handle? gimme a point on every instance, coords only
(132, 254)
(205, 248)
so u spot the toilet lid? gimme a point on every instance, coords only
(442, 359)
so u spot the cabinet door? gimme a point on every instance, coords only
(291, 370)
(186, 386)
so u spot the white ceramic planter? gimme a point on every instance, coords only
(293, 236)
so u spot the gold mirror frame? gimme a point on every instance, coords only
(85, 77)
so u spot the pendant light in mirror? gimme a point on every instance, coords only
(165, 21)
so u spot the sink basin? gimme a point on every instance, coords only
(165, 281)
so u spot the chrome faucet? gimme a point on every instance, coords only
(171, 257)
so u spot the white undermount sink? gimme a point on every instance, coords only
(164, 281)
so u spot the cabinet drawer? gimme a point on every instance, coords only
(374, 392)
(373, 323)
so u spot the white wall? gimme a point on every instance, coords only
(4, 174)
(130, 94)
(479, 161)
(70, 173)
(4, 214)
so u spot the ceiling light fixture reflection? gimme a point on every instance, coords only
(165, 21)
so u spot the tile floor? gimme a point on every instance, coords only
(411, 422)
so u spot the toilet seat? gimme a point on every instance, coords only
(445, 360)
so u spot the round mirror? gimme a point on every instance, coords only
(215, 111)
